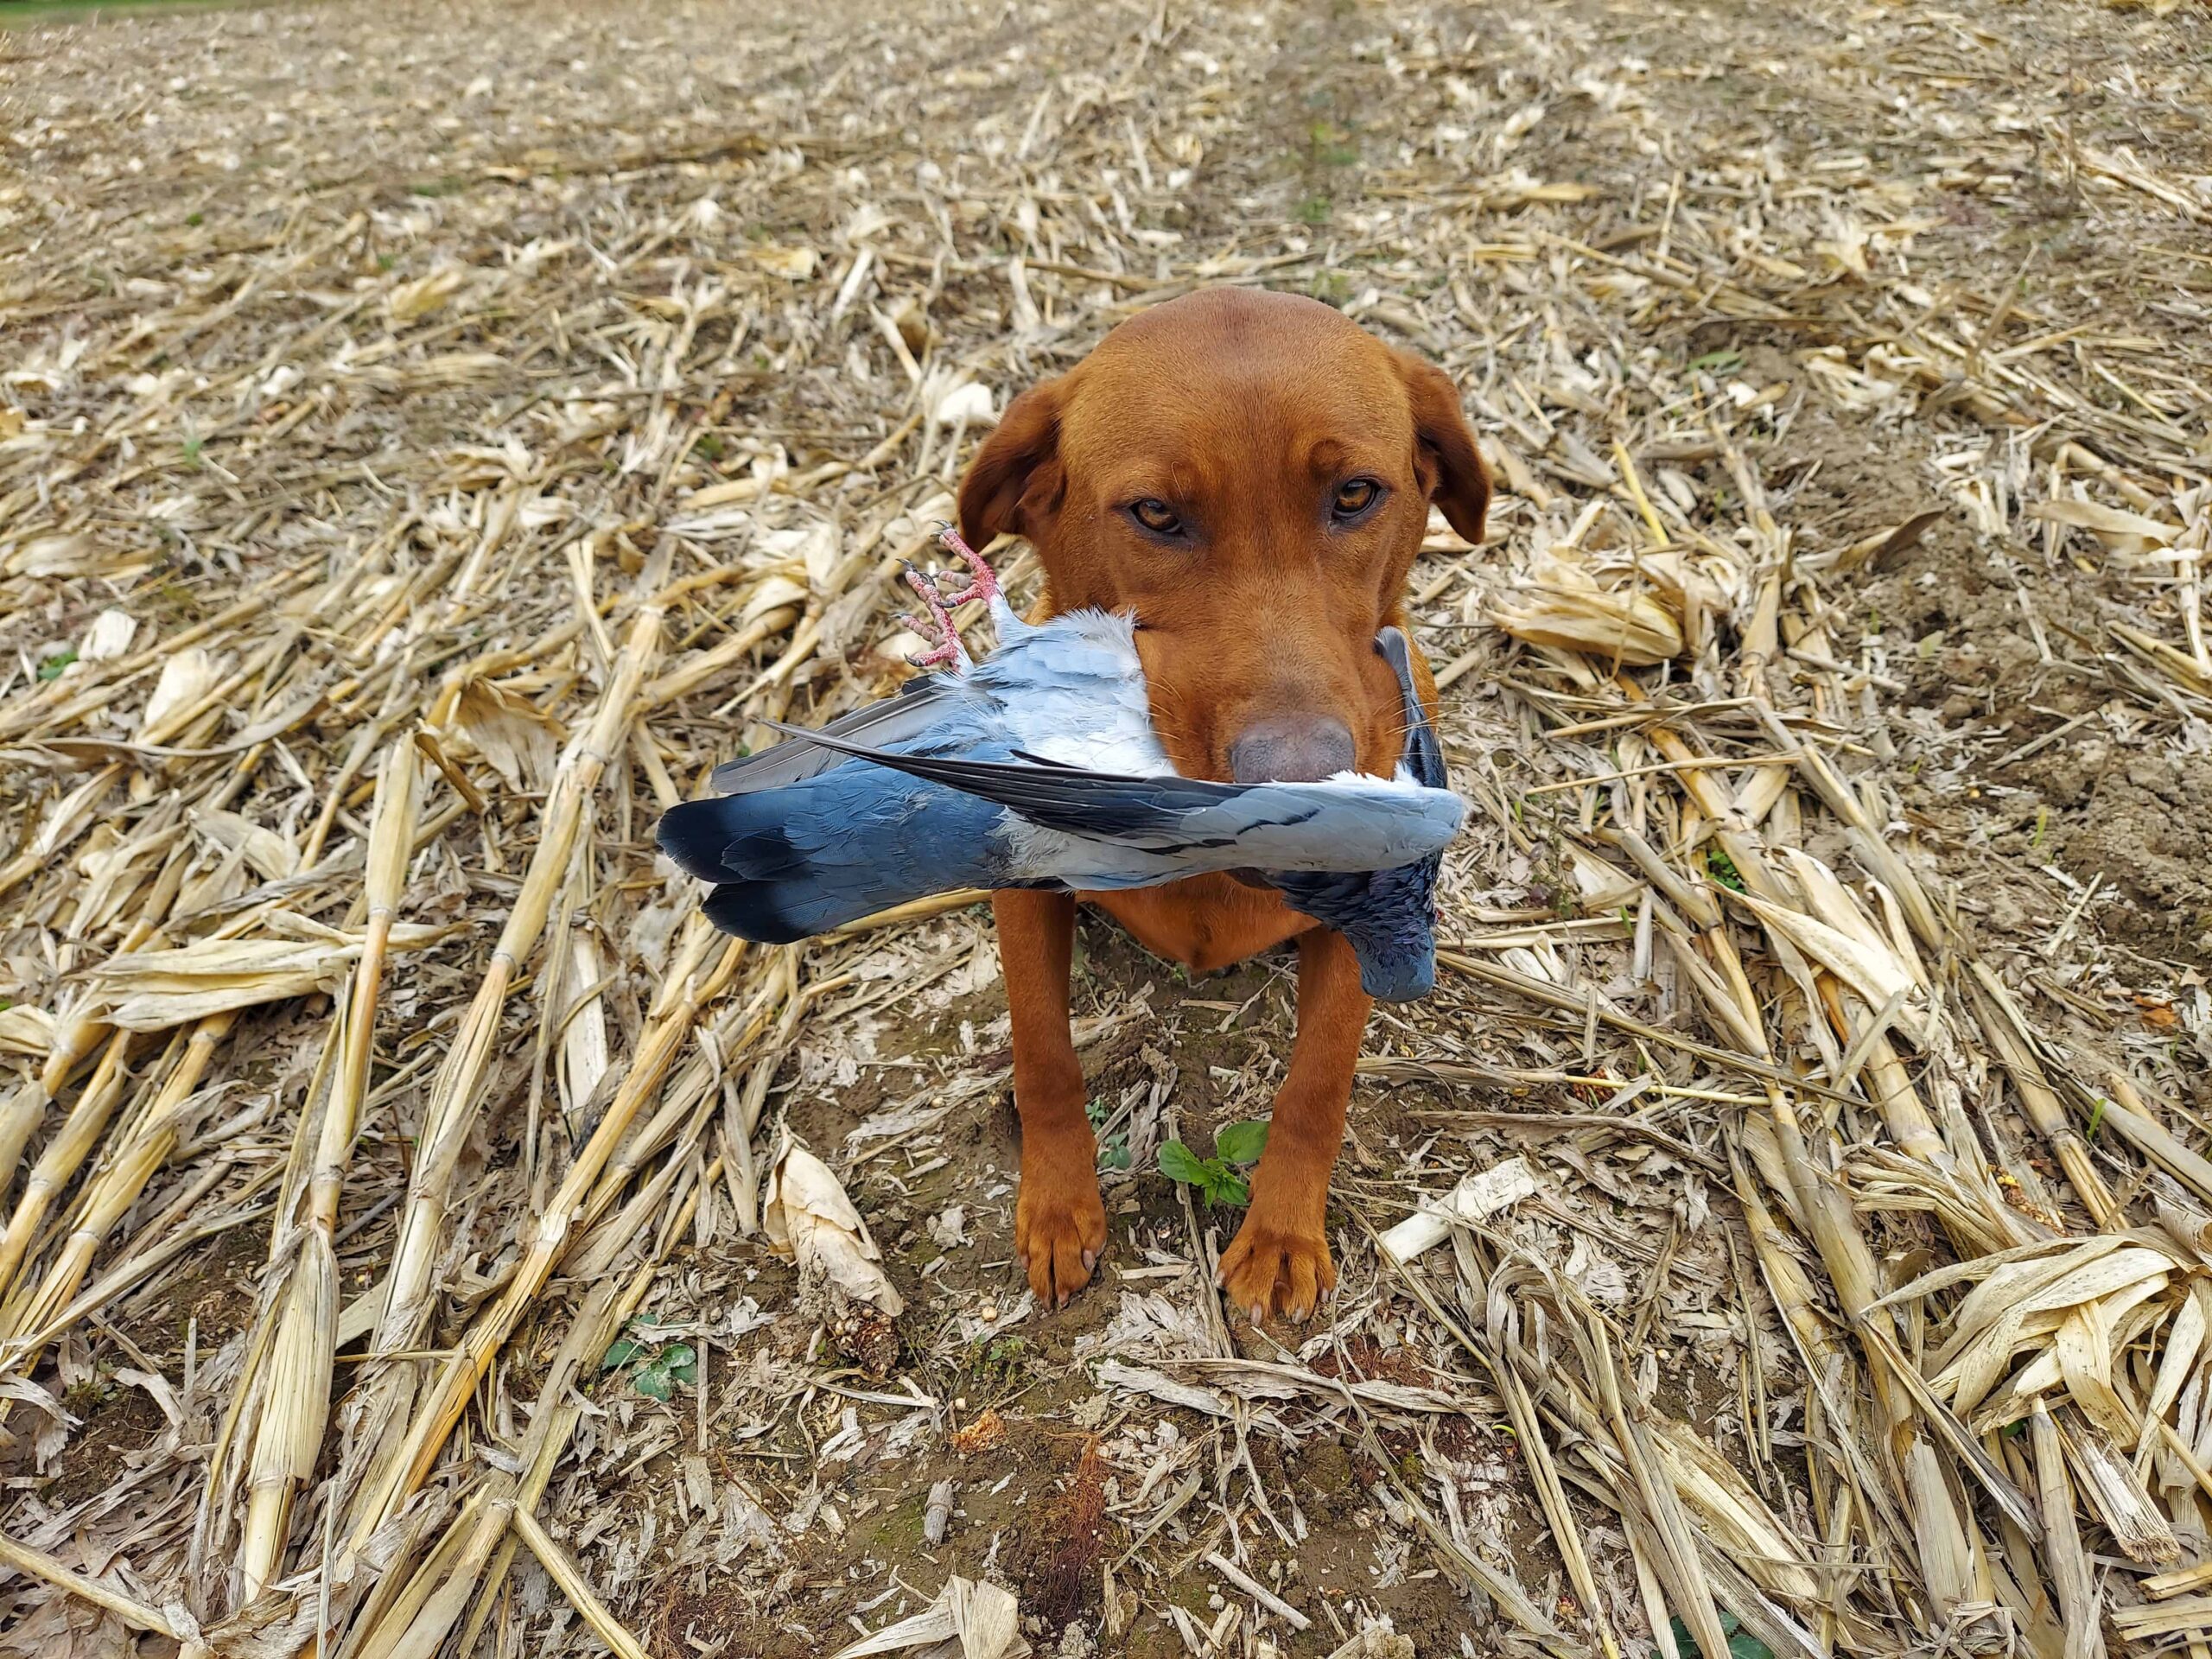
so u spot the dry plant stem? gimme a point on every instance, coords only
(1678, 1562)
(481, 1538)
(1794, 1298)
(2132, 1119)
(1529, 1432)
(297, 1393)
(1867, 844)
(1919, 1483)
(563, 1571)
(64, 1155)
(70, 818)
(39, 711)
(453, 1103)
(129, 1274)
(596, 1324)
(128, 1608)
(725, 655)
(1736, 840)
(19, 1120)
(74, 1042)
(421, 1625)
(1543, 1469)
(2002, 1021)
(671, 1029)
(406, 1616)
(2070, 1569)
(110, 1192)
(1896, 1099)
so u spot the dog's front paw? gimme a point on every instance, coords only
(1059, 1226)
(1275, 1266)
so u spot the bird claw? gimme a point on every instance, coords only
(984, 582)
(947, 651)
(948, 655)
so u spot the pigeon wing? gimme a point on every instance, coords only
(1057, 797)
(921, 703)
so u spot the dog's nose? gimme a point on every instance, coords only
(1291, 749)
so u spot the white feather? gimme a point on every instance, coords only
(1065, 717)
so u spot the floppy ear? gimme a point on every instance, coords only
(1014, 483)
(1451, 466)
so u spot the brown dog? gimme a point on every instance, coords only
(1249, 474)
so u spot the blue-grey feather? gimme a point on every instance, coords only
(816, 855)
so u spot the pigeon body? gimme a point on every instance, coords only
(1039, 768)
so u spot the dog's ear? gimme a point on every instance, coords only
(1016, 482)
(1451, 466)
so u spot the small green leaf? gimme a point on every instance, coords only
(653, 1383)
(680, 1362)
(2096, 1117)
(1225, 1186)
(621, 1353)
(1178, 1163)
(1742, 1644)
(1723, 870)
(1242, 1143)
(1115, 1153)
(50, 668)
(1719, 362)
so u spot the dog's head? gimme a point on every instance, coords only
(1249, 473)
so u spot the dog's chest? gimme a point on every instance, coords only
(1206, 923)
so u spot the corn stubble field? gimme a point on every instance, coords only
(430, 436)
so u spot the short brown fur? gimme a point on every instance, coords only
(1245, 413)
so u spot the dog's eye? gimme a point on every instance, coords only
(1155, 516)
(1355, 496)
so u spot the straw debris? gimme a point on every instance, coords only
(431, 436)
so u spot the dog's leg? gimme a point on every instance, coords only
(1279, 1262)
(1059, 1224)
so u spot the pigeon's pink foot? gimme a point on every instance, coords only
(948, 652)
(982, 580)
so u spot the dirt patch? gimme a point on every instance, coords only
(203, 1306)
(2037, 751)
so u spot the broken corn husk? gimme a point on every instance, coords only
(806, 1216)
(1564, 607)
